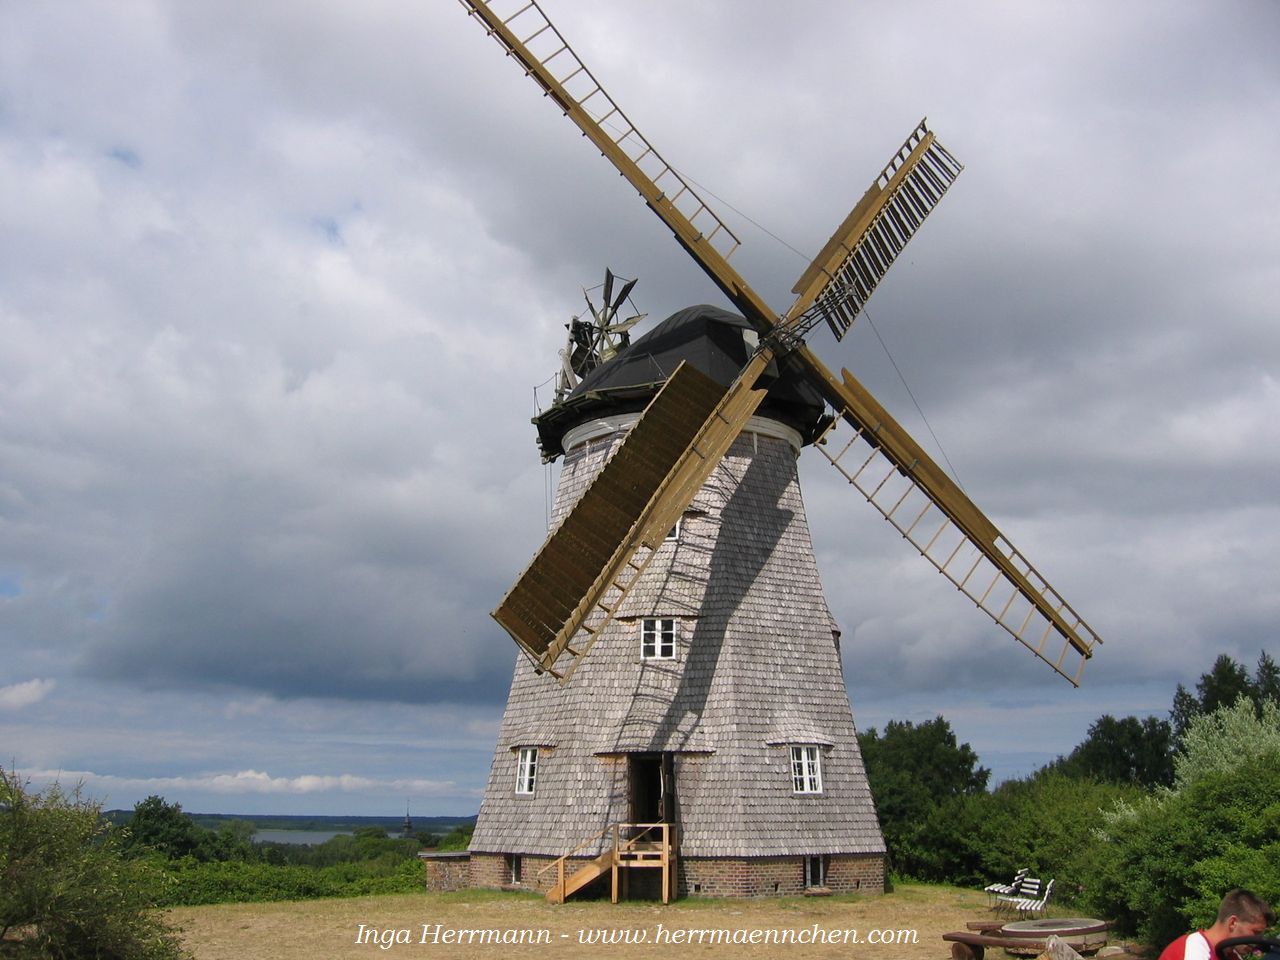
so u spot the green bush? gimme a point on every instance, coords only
(162, 827)
(457, 839)
(159, 827)
(1168, 859)
(205, 866)
(1046, 823)
(1216, 742)
(366, 844)
(197, 882)
(921, 778)
(66, 890)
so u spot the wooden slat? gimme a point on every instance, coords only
(905, 459)
(567, 571)
(681, 485)
(845, 273)
(859, 252)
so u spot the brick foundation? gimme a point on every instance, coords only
(698, 877)
(856, 874)
(777, 876)
(495, 870)
(447, 871)
(781, 877)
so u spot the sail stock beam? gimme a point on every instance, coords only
(584, 571)
(697, 227)
(876, 456)
(538, 46)
(579, 571)
(840, 280)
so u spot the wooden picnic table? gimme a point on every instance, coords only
(1027, 937)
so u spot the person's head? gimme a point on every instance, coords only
(1244, 914)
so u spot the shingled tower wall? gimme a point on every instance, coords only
(756, 671)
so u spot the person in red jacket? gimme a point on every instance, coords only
(1242, 914)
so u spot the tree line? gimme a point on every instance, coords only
(75, 884)
(157, 827)
(1147, 821)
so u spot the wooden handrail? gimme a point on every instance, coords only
(577, 848)
(647, 828)
(620, 846)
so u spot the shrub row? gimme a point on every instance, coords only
(190, 882)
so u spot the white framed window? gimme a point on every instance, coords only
(674, 532)
(806, 769)
(515, 868)
(526, 770)
(657, 638)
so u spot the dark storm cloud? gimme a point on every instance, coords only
(303, 612)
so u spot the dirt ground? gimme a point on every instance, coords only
(905, 925)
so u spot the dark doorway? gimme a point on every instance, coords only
(651, 779)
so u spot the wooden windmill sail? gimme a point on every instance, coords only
(570, 591)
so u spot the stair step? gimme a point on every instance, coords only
(620, 854)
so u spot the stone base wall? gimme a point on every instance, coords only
(495, 870)
(777, 876)
(698, 877)
(856, 874)
(488, 870)
(447, 873)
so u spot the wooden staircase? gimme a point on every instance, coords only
(650, 846)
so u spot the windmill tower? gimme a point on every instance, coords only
(710, 723)
(718, 675)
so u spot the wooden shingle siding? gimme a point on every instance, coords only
(603, 512)
(756, 669)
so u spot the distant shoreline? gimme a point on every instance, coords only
(335, 824)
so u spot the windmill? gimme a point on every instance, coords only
(742, 694)
(597, 338)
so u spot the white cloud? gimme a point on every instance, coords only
(249, 782)
(18, 696)
(276, 282)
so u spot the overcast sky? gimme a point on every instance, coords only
(277, 280)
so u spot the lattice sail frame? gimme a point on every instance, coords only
(841, 279)
(526, 33)
(833, 289)
(962, 544)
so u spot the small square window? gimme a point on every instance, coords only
(657, 638)
(674, 533)
(526, 769)
(806, 769)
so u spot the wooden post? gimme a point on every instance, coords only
(666, 867)
(673, 840)
(614, 867)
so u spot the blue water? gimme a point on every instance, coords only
(297, 836)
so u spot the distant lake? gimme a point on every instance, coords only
(297, 836)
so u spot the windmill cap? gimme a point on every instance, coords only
(718, 343)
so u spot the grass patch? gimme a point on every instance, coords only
(329, 928)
